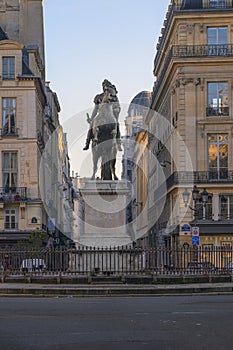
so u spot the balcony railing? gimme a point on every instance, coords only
(199, 177)
(185, 8)
(11, 132)
(201, 5)
(13, 194)
(11, 226)
(202, 50)
(217, 111)
(187, 51)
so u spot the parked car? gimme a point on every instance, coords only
(35, 264)
(229, 267)
(204, 266)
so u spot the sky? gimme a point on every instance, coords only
(88, 41)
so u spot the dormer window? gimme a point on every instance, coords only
(8, 68)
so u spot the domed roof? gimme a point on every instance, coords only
(140, 103)
(142, 99)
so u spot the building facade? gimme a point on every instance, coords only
(29, 116)
(191, 125)
(135, 163)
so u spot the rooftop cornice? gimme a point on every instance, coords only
(175, 12)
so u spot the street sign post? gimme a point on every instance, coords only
(195, 240)
(195, 236)
(185, 228)
(195, 231)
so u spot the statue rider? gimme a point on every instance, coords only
(116, 111)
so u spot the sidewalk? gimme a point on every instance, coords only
(56, 290)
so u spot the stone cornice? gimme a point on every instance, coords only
(38, 84)
(10, 45)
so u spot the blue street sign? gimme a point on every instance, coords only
(185, 228)
(195, 240)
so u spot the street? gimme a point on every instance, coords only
(185, 322)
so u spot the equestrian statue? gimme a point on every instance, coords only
(104, 132)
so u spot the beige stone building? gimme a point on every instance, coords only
(191, 125)
(29, 116)
(135, 164)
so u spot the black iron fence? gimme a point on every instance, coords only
(118, 261)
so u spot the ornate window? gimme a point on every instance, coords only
(204, 212)
(217, 39)
(217, 99)
(218, 156)
(8, 116)
(10, 219)
(217, 36)
(8, 68)
(10, 169)
(226, 207)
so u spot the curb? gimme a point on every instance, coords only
(33, 290)
(118, 280)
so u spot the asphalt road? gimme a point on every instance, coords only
(131, 323)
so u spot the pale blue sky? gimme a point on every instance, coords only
(88, 41)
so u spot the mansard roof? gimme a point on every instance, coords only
(26, 70)
(3, 35)
(192, 4)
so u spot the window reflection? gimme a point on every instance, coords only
(226, 207)
(8, 116)
(217, 99)
(218, 156)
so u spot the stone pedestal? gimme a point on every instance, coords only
(104, 213)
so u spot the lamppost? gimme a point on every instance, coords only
(202, 197)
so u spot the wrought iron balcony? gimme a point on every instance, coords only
(202, 5)
(13, 194)
(202, 50)
(11, 132)
(191, 51)
(217, 111)
(188, 7)
(11, 226)
(199, 177)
